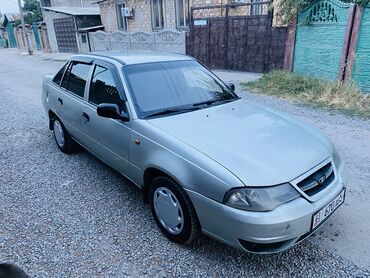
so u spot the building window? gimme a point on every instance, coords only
(182, 13)
(121, 20)
(157, 14)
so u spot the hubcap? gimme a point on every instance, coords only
(58, 133)
(168, 210)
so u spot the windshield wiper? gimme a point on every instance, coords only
(213, 101)
(172, 111)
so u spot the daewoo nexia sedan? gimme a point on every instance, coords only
(206, 160)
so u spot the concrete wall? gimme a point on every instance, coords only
(172, 41)
(319, 40)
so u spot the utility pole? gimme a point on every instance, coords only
(25, 36)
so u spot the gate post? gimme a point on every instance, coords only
(226, 35)
(347, 40)
(268, 42)
(289, 46)
(353, 42)
(190, 40)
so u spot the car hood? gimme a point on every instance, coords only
(258, 146)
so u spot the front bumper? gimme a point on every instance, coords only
(262, 232)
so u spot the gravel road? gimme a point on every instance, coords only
(72, 216)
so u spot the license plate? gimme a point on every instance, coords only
(326, 211)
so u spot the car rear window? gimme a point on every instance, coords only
(76, 77)
(59, 75)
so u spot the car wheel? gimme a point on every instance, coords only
(64, 141)
(173, 211)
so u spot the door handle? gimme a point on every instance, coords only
(85, 117)
(60, 101)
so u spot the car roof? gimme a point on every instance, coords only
(138, 57)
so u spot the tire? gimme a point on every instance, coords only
(164, 194)
(62, 138)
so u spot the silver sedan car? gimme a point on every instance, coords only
(205, 159)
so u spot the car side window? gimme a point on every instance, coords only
(59, 75)
(75, 78)
(103, 88)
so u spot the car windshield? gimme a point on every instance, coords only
(174, 87)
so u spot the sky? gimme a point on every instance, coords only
(9, 6)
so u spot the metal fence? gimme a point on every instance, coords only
(166, 40)
(236, 37)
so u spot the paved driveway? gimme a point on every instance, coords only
(72, 216)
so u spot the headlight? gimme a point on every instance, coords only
(336, 158)
(260, 199)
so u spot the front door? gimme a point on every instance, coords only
(107, 138)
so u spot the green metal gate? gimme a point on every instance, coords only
(36, 35)
(321, 32)
(11, 35)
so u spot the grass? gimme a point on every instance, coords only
(341, 96)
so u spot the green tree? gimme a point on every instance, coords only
(32, 11)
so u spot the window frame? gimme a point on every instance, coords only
(65, 67)
(186, 15)
(156, 28)
(81, 60)
(117, 80)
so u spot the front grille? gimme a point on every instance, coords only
(317, 181)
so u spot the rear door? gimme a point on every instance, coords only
(70, 101)
(108, 139)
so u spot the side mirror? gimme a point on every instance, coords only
(232, 86)
(110, 110)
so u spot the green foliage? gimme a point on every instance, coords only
(17, 22)
(32, 11)
(288, 10)
(342, 96)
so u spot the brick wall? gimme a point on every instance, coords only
(108, 15)
(142, 9)
(142, 15)
(142, 18)
(169, 14)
